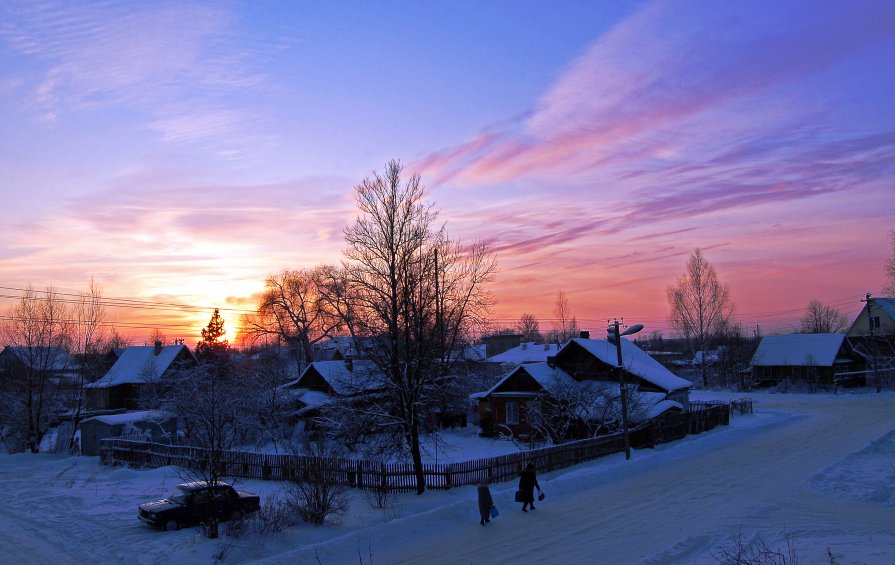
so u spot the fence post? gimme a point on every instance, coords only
(447, 477)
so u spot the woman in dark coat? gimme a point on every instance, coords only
(485, 503)
(527, 483)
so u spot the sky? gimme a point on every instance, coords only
(179, 152)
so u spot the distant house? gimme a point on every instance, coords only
(498, 343)
(324, 381)
(581, 363)
(53, 363)
(813, 358)
(138, 366)
(877, 318)
(526, 353)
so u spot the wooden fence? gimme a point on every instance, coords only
(740, 406)
(396, 477)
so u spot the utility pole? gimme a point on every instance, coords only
(614, 335)
(872, 342)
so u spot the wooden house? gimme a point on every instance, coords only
(138, 367)
(872, 337)
(325, 381)
(877, 318)
(810, 358)
(579, 363)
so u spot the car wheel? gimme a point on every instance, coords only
(172, 525)
(235, 516)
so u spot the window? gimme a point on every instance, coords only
(874, 322)
(512, 408)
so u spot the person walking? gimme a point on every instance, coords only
(485, 503)
(527, 483)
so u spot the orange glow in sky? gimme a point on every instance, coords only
(179, 153)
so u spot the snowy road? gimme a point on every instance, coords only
(818, 468)
(675, 504)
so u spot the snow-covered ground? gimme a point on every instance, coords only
(815, 471)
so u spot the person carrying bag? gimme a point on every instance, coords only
(528, 481)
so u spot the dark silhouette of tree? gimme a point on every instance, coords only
(38, 329)
(295, 311)
(212, 347)
(820, 318)
(414, 294)
(566, 324)
(700, 305)
(530, 328)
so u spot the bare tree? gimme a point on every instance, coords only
(117, 341)
(37, 328)
(415, 294)
(271, 404)
(316, 493)
(700, 304)
(889, 289)
(577, 410)
(566, 326)
(821, 318)
(212, 404)
(293, 310)
(529, 327)
(89, 341)
(157, 336)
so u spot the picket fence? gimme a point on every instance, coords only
(399, 477)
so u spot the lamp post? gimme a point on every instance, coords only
(615, 337)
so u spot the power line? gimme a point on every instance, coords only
(130, 325)
(117, 302)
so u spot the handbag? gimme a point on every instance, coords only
(518, 496)
(541, 495)
(494, 512)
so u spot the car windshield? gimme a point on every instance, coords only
(178, 496)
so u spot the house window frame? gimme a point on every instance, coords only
(511, 410)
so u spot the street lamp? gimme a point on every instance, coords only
(615, 337)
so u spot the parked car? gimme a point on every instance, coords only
(194, 503)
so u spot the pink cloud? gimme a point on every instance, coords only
(664, 66)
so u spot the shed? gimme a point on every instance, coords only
(814, 358)
(150, 425)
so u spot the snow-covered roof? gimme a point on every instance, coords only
(475, 352)
(131, 417)
(49, 358)
(139, 364)
(313, 398)
(527, 353)
(709, 356)
(887, 305)
(663, 406)
(343, 380)
(635, 361)
(544, 374)
(816, 350)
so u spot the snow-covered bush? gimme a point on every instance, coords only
(318, 498)
(275, 514)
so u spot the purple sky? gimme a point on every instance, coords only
(179, 152)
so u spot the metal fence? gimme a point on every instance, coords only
(396, 477)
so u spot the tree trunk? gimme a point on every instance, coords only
(417, 457)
